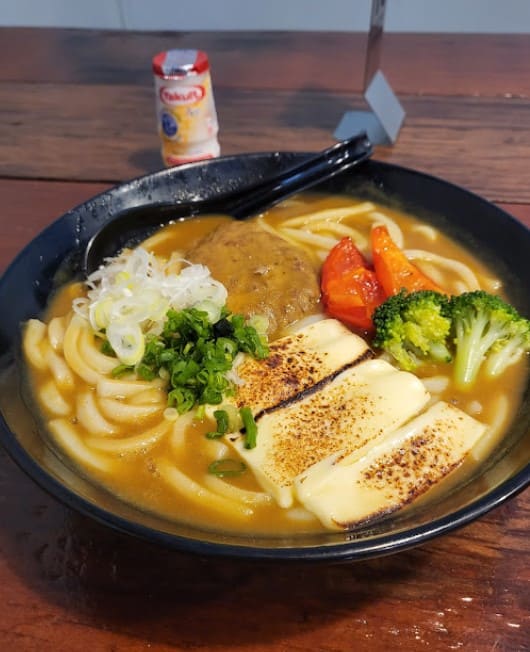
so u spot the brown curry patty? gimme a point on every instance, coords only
(264, 274)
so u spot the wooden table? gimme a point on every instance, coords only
(77, 115)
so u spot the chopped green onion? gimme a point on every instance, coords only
(145, 372)
(182, 399)
(227, 468)
(121, 369)
(200, 413)
(221, 416)
(106, 348)
(250, 427)
(234, 418)
(194, 355)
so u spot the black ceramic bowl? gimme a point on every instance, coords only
(54, 256)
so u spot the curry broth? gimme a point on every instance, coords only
(135, 476)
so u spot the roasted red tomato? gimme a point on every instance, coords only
(350, 289)
(394, 270)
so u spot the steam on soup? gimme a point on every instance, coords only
(288, 421)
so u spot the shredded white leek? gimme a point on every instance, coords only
(129, 296)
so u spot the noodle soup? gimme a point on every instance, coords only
(119, 431)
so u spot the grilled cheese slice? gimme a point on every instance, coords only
(343, 414)
(348, 489)
(296, 363)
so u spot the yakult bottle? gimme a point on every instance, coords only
(187, 120)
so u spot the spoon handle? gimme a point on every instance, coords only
(322, 166)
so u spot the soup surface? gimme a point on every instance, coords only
(118, 430)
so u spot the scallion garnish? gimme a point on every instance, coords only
(221, 416)
(250, 427)
(227, 468)
(196, 354)
(106, 348)
(120, 370)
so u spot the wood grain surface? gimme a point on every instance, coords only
(76, 116)
(64, 93)
(425, 64)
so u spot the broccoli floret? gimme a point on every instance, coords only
(414, 328)
(477, 327)
(487, 330)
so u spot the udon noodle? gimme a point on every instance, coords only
(120, 432)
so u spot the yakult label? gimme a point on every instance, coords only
(181, 95)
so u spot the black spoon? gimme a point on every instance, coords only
(133, 225)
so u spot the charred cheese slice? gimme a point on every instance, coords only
(298, 362)
(349, 489)
(345, 413)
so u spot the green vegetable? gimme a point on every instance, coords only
(227, 468)
(414, 328)
(106, 348)
(195, 355)
(486, 331)
(474, 330)
(250, 341)
(250, 427)
(221, 417)
(120, 370)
